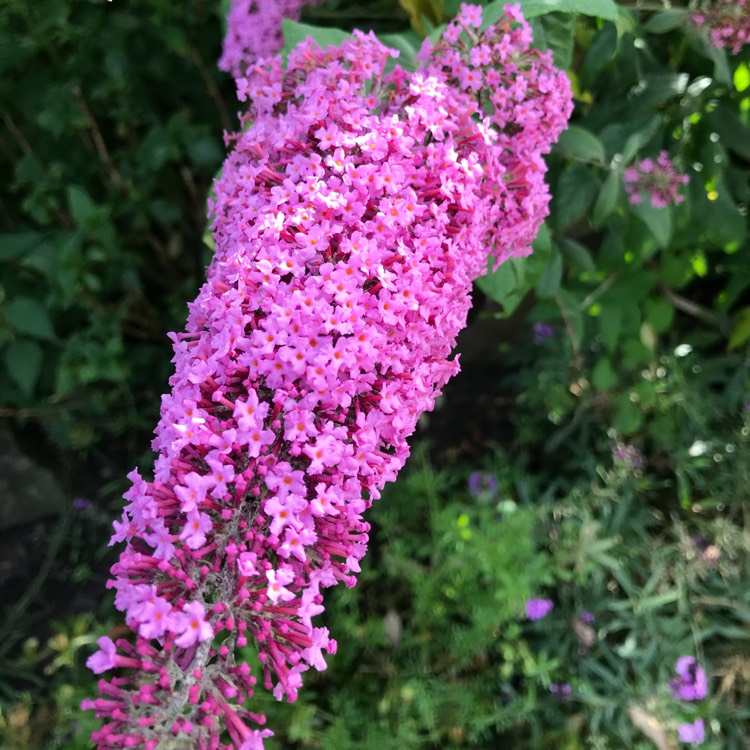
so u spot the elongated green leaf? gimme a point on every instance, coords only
(581, 144)
(607, 199)
(658, 220)
(556, 32)
(549, 281)
(295, 32)
(573, 194)
(606, 9)
(639, 139)
(661, 23)
(82, 208)
(577, 255)
(610, 324)
(17, 244)
(733, 132)
(741, 331)
(24, 362)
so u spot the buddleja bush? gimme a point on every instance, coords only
(349, 219)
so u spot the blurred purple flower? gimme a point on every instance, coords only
(628, 454)
(560, 690)
(693, 733)
(536, 609)
(543, 331)
(691, 683)
(482, 483)
(701, 542)
(587, 617)
(81, 503)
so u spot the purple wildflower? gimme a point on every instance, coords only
(560, 690)
(587, 617)
(543, 331)
(628, 454)
(691, 683)
(692, 732)
(536, 609)
(482, 483)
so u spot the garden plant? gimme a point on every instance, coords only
(563, 560)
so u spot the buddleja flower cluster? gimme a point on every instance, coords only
(658, 178)
(349, 221)
(254, 31)
(727, 23)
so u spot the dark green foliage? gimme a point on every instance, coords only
(110, 134)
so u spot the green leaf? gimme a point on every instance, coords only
(573, 194)
(610, 324)
(556, 32)
(607, 199)
(570, 308)
(656, 89)
(606, 9)
(661, 23)
(581, 144)
(28, 316)
(408, 43)
(507, 285)
(723, 221)
(603, 376)
(543, 242)
(658, 220)
(24, 362)
(741, 77)
(732, 131)
(16, 244)
(741, 330)
(639, 139)
(601, 51)
(295, 32)
(549, 281)
(577, 255)
(628, 416)
(81, 207)
(659, 313)
(722, 72)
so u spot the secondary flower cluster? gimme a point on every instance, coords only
(349, 221)
(727, 23)
(690, 685)
(254, 31)
(658, 178)
(537, 609)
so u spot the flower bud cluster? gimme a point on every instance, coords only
(658, 178)
(727, 23)
(350, 219)
(254, 31)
